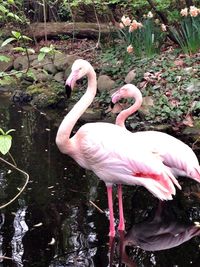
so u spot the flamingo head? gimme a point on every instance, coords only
(126, 91)
(79, 69)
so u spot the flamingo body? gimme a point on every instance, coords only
(175, 154)
(109, 150)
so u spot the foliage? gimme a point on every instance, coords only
(4, 58)
(7, 14)
(5, 141)
(142, 38)
(188, 33)
(47, 51)
(22, 41)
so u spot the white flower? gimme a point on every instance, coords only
(150, 15)
(184, 12)
(194, 11)
(163, 27)
(129, 49)
(121, 25)
(126, 21)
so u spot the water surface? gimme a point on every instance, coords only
(53, 223)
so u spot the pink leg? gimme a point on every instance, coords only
(110, 206)
(121, 213)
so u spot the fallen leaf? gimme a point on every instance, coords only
(188, 121)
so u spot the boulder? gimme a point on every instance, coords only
(6, 66)
(130, 76)
(147, 103)
(50, 68)
(21, 62)
(105, 83)
(63, 61)
(59, 77)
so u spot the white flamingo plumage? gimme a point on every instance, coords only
(178, 156)
(109, 150)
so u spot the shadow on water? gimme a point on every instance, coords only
(53, 223)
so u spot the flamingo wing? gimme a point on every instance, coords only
(176, 154)
(115, 157)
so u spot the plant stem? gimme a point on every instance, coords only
(22, 189)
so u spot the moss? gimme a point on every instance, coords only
(45, 94)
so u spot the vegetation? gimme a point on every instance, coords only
(5, 141)
(151, 39)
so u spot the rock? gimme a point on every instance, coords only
(105, 83)
(6, 66)
(146, 105)
(6, 48)
(40, 64)
(47, 94)
(130, 76)
(21, 97)
(21, 62)
(91, 115)
(50, 68)
(63, 61)
(67, 72)
(59, 77)
(41, 76)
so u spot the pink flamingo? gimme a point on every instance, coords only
(109, 150)
(178, 156)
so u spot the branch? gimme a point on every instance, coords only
(97, 19)
(22, 189)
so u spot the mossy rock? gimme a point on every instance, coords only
(8, 83)
(47, 95)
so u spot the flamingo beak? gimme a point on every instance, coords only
(115, 97)
(70, 82)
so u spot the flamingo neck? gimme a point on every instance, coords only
(63, 135)
(124, 114)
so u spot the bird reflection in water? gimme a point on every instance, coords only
(159, 233)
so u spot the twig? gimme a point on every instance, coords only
(22, 189)
(45, 20)
(73, 20)
(97, 19)
(5, 258)
(13, 160)
(100, 210)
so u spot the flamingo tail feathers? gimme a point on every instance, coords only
(195, 174)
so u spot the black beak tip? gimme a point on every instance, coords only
(68, 90)
(112, 104)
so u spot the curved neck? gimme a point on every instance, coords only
(63, 135)
(124, 114)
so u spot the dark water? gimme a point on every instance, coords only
(53, 222)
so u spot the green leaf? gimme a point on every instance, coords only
(7, 41)
(4, 58)
(19, 49)
(5, 143)
(11, 2)
(26, 38)
(17, 35)
(31, 50)
(41, 56)
(45, 49)
(3, 9)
